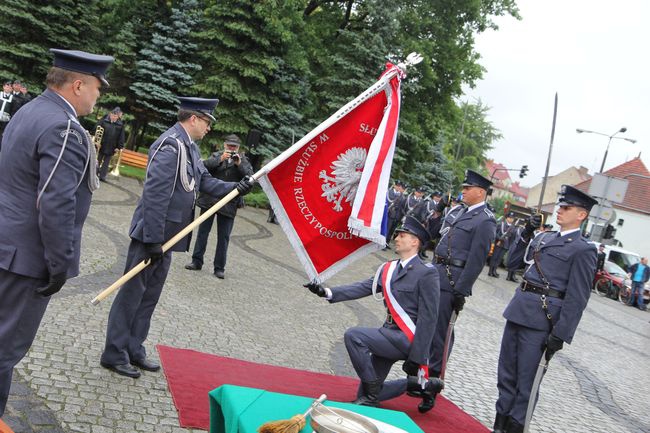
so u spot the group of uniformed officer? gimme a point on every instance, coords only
(545, 310)
(47, 177)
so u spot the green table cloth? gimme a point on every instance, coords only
(238, 409)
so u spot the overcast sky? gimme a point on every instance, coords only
(594, 54)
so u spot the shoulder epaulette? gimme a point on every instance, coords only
(429, 265)
(489, 213)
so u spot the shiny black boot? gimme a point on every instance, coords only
(514, 427)
(370, 396)
(500, 423)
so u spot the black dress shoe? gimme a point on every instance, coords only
(193, 266)
(122, 369)
(219, 274)
(145, 364)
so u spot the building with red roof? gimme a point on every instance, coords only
(632, 215)
(503, 185)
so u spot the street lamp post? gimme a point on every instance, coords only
(623, 129)
(602, 166)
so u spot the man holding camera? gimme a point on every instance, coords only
(230, 166)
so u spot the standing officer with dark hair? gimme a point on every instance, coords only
(546, 308)
(6, 101)
(395, 202)
(410, 293)
(47, 177)
(174, 175)
(112, 140)
(467, 232)
(230, 166)
(504, 234)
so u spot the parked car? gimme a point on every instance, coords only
(623, 258)
(614, 283)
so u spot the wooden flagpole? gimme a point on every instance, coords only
(377, 87)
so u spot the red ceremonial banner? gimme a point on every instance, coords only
(328, 190)
(315, 187)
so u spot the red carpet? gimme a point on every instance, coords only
(191, 375)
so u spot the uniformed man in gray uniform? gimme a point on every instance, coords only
(504, 235)
(410, 293)
(547, 306)
(174, 175)
(47, 177)
(467, 231)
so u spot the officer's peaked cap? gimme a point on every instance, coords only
(472, 178)
(116, 110)
(436, 194)
(510, 215)
(400, 183)
(83, 62)
(570, 196)
(413, 226)
(202, 105)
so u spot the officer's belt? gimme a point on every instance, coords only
(541, 290)
(451, 262)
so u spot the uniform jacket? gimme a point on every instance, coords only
(504, 234)
(416, 289)
(409, 204)
(467, 237)
(228, 171)
(46, 240)
(395, 204)
(113, 137)
(569, 264)
(165, 208)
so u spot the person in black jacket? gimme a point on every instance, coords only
(112, 140)
(231, 166)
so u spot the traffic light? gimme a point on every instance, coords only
(610, 232)
(523, 171)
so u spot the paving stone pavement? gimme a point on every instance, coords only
(261, 313)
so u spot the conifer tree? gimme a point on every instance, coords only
(164, 69)
(253, 64)
(28, 29)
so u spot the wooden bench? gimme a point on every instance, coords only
(134, 159)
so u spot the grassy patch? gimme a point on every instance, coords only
(128, 171)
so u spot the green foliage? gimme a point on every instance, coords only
(28, 29)
(278, 66)
(252, 62)
(164, 67)
(467, 145)
(257, 198)
(498, 204)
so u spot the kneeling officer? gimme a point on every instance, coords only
(411, 294)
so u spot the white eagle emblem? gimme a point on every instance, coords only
(345, 177)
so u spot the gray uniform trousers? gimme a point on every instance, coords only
(372, 354)
(21, 311)
(521, 351)
(397, 387)
(130, 316)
